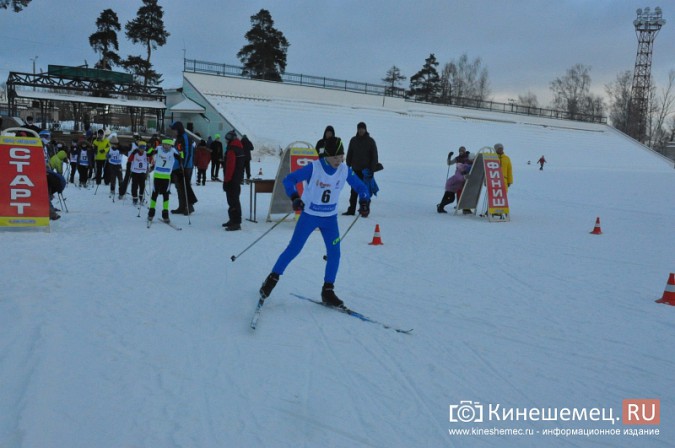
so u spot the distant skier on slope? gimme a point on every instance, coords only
(325, 179)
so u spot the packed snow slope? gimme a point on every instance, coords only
(115, 335)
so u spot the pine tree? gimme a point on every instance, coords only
(148, 29)
(264, 57)
(393, 79)
(104, 40)
(425, 85)
(14, 5)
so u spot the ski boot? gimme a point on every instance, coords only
(268, 285)
(328, 296)
(151, 214)
(165, 216)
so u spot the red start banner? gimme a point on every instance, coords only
(498, 203)
(24, 200)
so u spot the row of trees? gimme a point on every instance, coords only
(147, 29)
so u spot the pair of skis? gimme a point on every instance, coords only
(168, 223)
(341, 309)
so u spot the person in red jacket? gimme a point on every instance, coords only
(202, 160)
(541, 163)
(233, 174)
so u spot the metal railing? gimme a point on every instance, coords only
(214, 68)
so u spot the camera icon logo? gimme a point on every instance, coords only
(466, 412)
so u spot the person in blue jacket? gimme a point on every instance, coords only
(181, 176)
(325, 178)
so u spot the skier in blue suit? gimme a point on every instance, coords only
(325, 178)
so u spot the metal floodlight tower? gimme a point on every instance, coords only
(647, 25)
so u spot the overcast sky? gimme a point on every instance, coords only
(525, 44)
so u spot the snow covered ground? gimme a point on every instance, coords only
(114, 335)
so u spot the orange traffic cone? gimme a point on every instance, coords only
(377, 241)
(669, 292)
(596, 229)
(260, 172)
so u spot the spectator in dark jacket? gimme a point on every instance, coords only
(233, 174)
(329, 132)
(216, 157)
(181, 176)
(248, 149)
(361, 155)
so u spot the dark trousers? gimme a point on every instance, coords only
(83, 173)
(448, 198)
(73, 168)
(115, 176)
(100, 164)
(354, 196)
(215, 168)
(201, 176)
(247, 169)
(182, 179)
(232, 191)
(137, 185)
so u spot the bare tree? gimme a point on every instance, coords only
(619, 93)
(662, 107)
(528, 100)
(572, 92)
(465, 79)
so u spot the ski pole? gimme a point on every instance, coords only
(187, 202)
(449, 160)
(339, 239)
(62, 200)
(234, 257)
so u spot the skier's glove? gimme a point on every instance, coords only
(298, 205)
(364, 209)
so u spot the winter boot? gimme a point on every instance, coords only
(165, 216)
(135, 201)
(151, 214)
(268, 285)
(440, 209)
(328, 296)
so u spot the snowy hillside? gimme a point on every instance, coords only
(114, 335)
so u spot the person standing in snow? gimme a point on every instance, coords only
(248, 149)
(101, 147)
(325, 178)
(114, 164)
(138, 165)
(329, 132)
(202, 159)
(182, 174)
(216, 157)
(72, 158)
(541, 163)
(233, 175)
(85, 160)
(505, 163)
(361, 155)
(165, 157)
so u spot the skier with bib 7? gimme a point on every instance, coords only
(325, 178)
